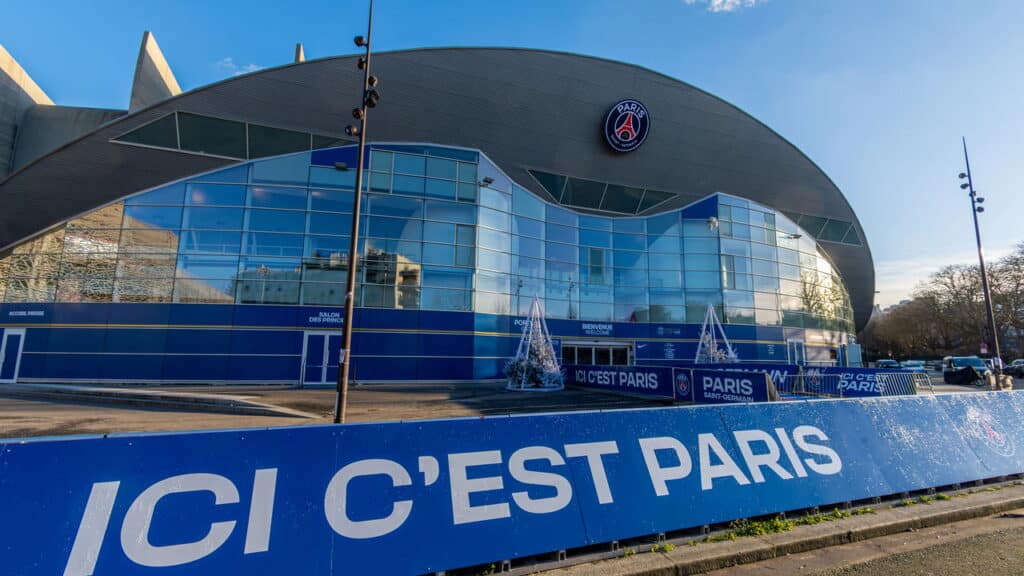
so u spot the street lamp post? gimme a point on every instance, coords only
(975, 209)
(369, 100)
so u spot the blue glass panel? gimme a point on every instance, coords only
(437, 188)
(438, 254)
(565, 234)
(562, 252)
(444, 299)
(332, 178)
(629, 225)
(527, 227)
(467, 192)
(380, 183)
(411, 185)
(438, 232)
(493, 219)
(381, 160)
(465, 235)
(447, 277)
(277, 221)
(664, 261)
(629, 242)
(269, 197)
(664, 243)
(467, 173)
(530, 247)
(702, 262)
(665, 278)
(331, 200)
(268, 244)
(705, 280)
(395, 228)
(556, 215)
(636, 260)
(236, 174)
(328, 223)
(291, 169)
(450, 212)
(216, 195)
(488, 170)
(205, 267)
(627, 277)
(495, 240)
(395, 206)
(494, 199)
(210, 241)
(595, 238)
(596, 223)
(408, 164)
(441, 168)
(497, 261)
(700, 246)
(524, 203)
(172, 194)
(166, 217)
(665, 224)
(213, 218)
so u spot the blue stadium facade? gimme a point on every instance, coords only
(233, 270)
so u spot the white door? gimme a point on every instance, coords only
(12, 342)
(320, 354)
(795, 352)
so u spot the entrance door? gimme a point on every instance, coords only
(795, 352)
(320, 353)
(12, 340)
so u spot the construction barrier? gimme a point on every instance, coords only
(425, 496)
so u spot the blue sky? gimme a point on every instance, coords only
(877, 92)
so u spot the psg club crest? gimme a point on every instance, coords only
(682, 384)
(626, 126)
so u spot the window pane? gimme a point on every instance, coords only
(561, 216)
(467, 192)
(267, 244)
(621, 199)
(565, 234)
(443, 299)
(411, 185)
(562, 252)
(267, 197)
(465, 256)
(328, 223)
(665, 224)
(332, 177)
(441, 168)
(698, 280)
(493, 219)
(267, 141)
(331, 200)
(395, 228)
(438, 254)
(495, 240)
(440, 189)
(162, 133)
(277, 221)
(595, 238)
(629, 242)
(211, 241)
(215, 195)
(173, 194)
(525, 203)
(380, 160)
(395, 206)
(213, 218)
(323, 293)
(465, 235)
(290, 169)
(450, 212)
(527, 227)
(408, 164)
(496, 261)
(467, 172)
(166, 217)
(494, 199)
(380, 182)
(211, 135)
(584, 193)
(448, 278)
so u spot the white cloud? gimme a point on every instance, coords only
(227, 65)
(725, 5)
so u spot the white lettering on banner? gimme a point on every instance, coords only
(477, 476)
(336, 499)
(517, 467)
(463, 486)
(135, 528)
(26, 313)
(593, 451)
(617, 378)
(707, 443)
(660, 474)
(327, 318)
(592, 329)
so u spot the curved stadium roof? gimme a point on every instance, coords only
(537, 114)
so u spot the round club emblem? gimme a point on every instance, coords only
(626, 126)
(683, 384)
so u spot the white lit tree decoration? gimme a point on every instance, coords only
(535, 367)
(708, 349)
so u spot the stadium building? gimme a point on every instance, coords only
(202, 236)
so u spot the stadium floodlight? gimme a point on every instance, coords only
(370, 97)
(993, 334)
(486, 181)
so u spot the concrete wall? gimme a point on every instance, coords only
(18, 92)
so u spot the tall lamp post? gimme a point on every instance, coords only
(975, 209)
(370, 96)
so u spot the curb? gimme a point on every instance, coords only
(153, 399)
(706, 557)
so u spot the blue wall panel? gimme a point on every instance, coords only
(73, 366)
(138, 313)
(386, 344)
(132, 366)
(76, 340)
(265, 368)
(266, 342)
(33, 365)
(187, 341)
(139, 340)
(194, 367)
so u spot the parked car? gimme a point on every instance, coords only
(964, 370)
(1016, 368)
(914, 365)
(886, 363)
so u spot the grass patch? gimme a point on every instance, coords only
(666, 547)
(627, 552)
(943, 497)
(744, 528)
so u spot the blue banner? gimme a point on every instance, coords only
(653, 381)
(856, 382)
(729, 386)
(782, 375)
(422, 496)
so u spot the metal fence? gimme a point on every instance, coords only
(812, 383)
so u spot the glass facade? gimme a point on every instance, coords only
(275, 231)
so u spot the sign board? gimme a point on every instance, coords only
(782, 375)
(651, 381)
(418, 497)
(729, 386)
(859, 382)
